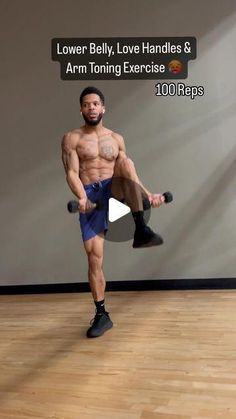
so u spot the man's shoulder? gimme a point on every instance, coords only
(118, 137)
(72, 137)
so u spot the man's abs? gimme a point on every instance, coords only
(95, 169)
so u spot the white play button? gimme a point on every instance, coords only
(117, 210)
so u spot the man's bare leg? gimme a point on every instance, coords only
(94, 248)
(126, 184)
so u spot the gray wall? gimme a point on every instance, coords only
(177, 144)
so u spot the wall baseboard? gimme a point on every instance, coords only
(143, 285)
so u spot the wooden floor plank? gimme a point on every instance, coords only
(170, 354)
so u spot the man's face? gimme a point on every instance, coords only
(92, 109)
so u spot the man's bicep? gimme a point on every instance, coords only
(122, 154)
(70, 157)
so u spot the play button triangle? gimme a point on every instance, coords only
(117, 210)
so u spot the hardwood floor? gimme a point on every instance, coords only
(170, 355)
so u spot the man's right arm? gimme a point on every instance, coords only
(70, 161)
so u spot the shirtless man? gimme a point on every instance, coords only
(94, 157)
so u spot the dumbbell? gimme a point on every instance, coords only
(168, 198)
(73, 206)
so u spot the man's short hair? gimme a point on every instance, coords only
(91, 89)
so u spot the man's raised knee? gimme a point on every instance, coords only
(124, 166)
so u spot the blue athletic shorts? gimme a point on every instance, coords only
(96, 221)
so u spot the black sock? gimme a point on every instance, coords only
(139, 220)
(100, 306)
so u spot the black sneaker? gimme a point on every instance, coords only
(100, 324)
(146, 238)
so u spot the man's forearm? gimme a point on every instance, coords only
(76, 185)
(145, 189)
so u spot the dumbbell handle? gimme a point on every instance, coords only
(73, 206)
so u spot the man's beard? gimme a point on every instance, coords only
(93, 122)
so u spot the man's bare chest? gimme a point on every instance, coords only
(91, 148)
